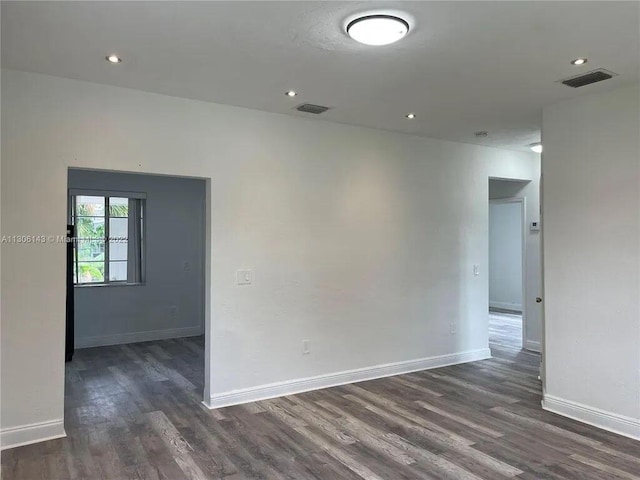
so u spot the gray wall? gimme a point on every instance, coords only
(505, 255)
(171, 301)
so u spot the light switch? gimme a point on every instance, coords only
(244, 277)
(476, 270)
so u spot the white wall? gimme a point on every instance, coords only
(505, 255)
(170, 302)
(592, 257)
(344, 228)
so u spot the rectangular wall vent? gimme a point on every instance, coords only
(311, 108)
(588, 78)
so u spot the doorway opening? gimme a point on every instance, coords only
(137, 286)
(507, 264)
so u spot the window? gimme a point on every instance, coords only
(109, 238)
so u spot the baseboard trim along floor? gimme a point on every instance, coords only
(279, 389)
(532, 345)
(27, 434)
(612, 422)
(503, 307)
(137, 337)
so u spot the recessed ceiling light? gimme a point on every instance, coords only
(113, 58)
(481, 134)
(579, 61)
(536, 147)
(410, 116)
(291, 93)
(377, 29)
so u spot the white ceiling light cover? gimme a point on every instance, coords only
(377, 29)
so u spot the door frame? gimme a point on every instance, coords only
(206, 310)
(523, 240)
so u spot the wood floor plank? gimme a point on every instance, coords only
(309, 414)
(604, 468)
(437, 464)
(347, 460)
(485, 430)
(369, 435)
(179, 447)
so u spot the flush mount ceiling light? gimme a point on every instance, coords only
(536, 147)
(113, 58)
(579, 61)
(291, 93)
(410, 116)
(377, 29)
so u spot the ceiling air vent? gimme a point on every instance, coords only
(588, 78)
(311, 108)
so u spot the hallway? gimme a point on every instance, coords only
(505, 330)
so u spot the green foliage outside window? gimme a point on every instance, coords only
(91, 234)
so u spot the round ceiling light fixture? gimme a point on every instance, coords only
(377, 29)
(410, 116)
(579, 61)
(536, 147)
(113, 58)
(291, 93)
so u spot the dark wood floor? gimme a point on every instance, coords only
(134, 412)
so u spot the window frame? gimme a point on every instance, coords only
(107, 194)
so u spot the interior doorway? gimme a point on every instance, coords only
(139, 277)
(507, 264)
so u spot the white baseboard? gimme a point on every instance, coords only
(272, 390)
(532, 345)
(104, 340)
(33, 433)
(516, 307)
(622, 425)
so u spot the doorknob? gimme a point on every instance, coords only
(538, 300)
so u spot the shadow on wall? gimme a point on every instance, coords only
(506, 188)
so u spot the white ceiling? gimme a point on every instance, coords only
(465, 66)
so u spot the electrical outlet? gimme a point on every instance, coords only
(453, 327)
(306, 350)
